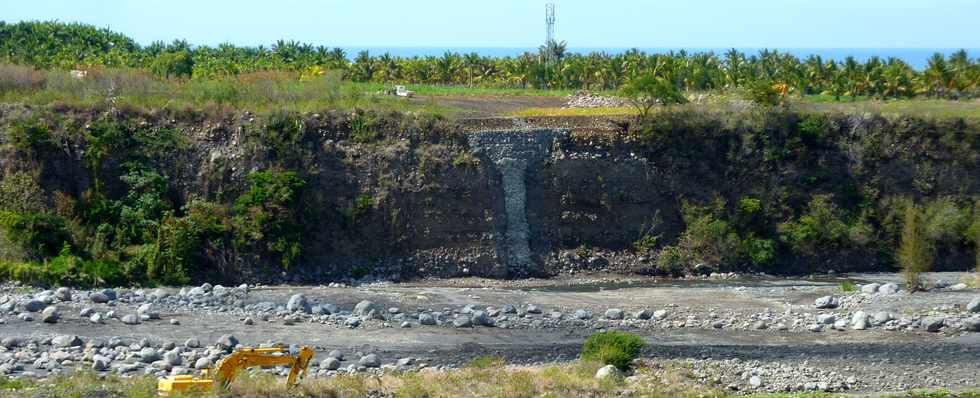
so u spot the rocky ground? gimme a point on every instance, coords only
(739, 333)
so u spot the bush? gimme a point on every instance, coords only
(21, 192)
(613, 348)
(848, 287)
(973, 234)
(763, 92)
(38, 234)
(486, 362)
(266, 214)
(914, 250)
(820, 228)
(945, 222)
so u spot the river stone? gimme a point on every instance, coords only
(760, 325)
(100, 363)
(330, 364)
(881, 317)
(614, 313)
(888, 288)
(480, 318)
(86, 312)
(608, 371)
(192, 343)
(826, 302)
(660, 315)
(974, 305)
(642, 315)
(870, 288)
(25, 316)
(933, 324)
(148, 355)
(532, 309)
(146, 310)
(11, 342)
(826, 319)
(368, 309)
(130, 319)
(369, 361)
(508, 309)
(755, 381)
(50, 315)
(336, 354)
(202, 363)
(173, 358)
(34, 305)
(63, 294)
(426, 318)
(96, 318)
(98, 298)
(972, 324)
(859, 321)
(583, 314)
(227, 341)
(298, 303)
(66, 340)
(462, 321)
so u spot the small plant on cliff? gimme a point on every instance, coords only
(915, 250)
(973, 234)
(613, 348)
(646, 91)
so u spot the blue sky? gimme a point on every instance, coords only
(520, 23)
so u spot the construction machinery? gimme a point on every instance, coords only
(219, 377)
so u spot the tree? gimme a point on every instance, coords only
(915, 250)
(647, 91)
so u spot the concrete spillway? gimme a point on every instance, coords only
(515, 154)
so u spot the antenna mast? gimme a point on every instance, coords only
(549, 20)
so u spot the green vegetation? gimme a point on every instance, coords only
(647, 91)
(915, 250)
(613, 348)
(55, 45)
(848, 287)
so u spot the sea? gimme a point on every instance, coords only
(915, 57)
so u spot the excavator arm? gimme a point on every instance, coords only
(230, 366)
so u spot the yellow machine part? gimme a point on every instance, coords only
(229, 367)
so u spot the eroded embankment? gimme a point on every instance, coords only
(396, 196)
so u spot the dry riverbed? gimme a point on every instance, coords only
(753, 334)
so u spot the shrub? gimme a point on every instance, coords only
(915, 250)
(265, 216)
(758, 251)
(30, 135)
(486, 362)
(821, 227)
(647, 91)
(613, 348)
(973, 234)
(945, 222)
(38, 234)
(763, 92)
(282, 135)
(814, 126)
(20, 192)
(848, 287)
(363, 129)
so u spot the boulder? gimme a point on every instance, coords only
(63, 294)
(642, 315)
(859, 321)
(336, 354)
(826, 319)
(973, 305)
(298, 303)
(480, 318)
(100, 363)
(34, 305)
(462, 321)
(607, 372)
(202, 363)
(583, 314)
(755, 381)
(888, 288)
(130, 319)
(933, 324)
(972, 324)
(660, 315)
(508, 309)
(50, 315)
(330, 364)
(426, 318)
(66, 340)
(614, 313)
(881, 317)
(532, 309)
(870, 288)
(826, 302)
(227, 341)
(369, 361)
(98, 298)
(368, 309)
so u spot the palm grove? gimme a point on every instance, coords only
(49, 45)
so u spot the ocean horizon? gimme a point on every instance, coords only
(915, 57)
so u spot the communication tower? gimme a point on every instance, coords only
(549, 20)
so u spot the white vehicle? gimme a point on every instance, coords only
(401, 91)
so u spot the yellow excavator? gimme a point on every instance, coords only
(226, 370)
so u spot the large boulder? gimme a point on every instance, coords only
(368, 309)
(859, 321)
(370, 361)
(614, 313)
(870, 288)
(298, 303)
(607, 372)
(933, 324)
(50, 315)
(826, 302)
(227, 341)
(888, 288)
(973, 305)
(66, 340)
(583, 314)
(34, 305)
(63, 294)
(330, 364)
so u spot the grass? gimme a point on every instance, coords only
(439, 90)
(570, 380)
(258, 92)
(848, 287)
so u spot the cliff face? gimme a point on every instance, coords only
(401, 196)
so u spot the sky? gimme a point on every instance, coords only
(520, 23)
